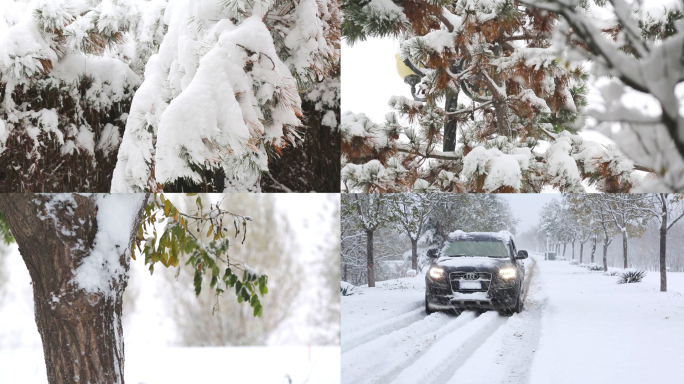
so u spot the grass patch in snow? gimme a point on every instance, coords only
(632, 276)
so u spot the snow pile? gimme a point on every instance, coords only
(501, 169)
(102, 269)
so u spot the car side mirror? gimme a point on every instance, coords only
(522, 254)
(433, 252)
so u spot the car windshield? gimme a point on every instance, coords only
(476, 248)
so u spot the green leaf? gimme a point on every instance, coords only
(245, 295)
(198, 282)
(233, 280)
(258, 311)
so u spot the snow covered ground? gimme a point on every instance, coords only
(577, 327)
(262, 365)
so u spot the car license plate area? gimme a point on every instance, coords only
(469, 285)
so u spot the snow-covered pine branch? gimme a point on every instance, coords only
(521, 105)
(67, 82)
(222, 93)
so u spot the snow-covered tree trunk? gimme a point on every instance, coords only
(606, 242)
(663, 247)
(414, 254)
(581, 250)
(593, 249)
(78, 259)
(624, 247)
(564, 246)
(369, 258)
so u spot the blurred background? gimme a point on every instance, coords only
(293, 238)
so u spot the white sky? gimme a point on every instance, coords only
(526, 207)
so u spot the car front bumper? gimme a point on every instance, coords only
(495, 298)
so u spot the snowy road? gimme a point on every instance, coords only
(577, 326)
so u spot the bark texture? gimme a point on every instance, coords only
(81, 332)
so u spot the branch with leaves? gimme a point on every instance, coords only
(201, 238)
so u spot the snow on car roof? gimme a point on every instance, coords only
(504, 236)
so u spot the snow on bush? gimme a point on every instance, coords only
(610, 273)
(574, 262)
(632, 276)
(222, 93)
(347, 289)
(594, 267)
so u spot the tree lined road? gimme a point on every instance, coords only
(577, 326)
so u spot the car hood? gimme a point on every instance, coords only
(468, 264)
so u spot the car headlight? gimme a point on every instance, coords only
(436, 272)
(507, 273)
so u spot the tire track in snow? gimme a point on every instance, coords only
(380, 360)
(506, 356)
(383, 328)
(528, 278)
(451, 351)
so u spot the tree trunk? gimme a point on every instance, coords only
(624, 247)
(344, 273)
(581, 250)
(449, 142)
(369, 258)
(564, 246)
(663, 249)
(605, 255)
(414, 254)
(81, 332)
(573, 249)
(593, 249)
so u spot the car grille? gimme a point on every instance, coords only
(484, 277)
(469, 276)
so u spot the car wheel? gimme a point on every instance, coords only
(428, 311)
(519, 304)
